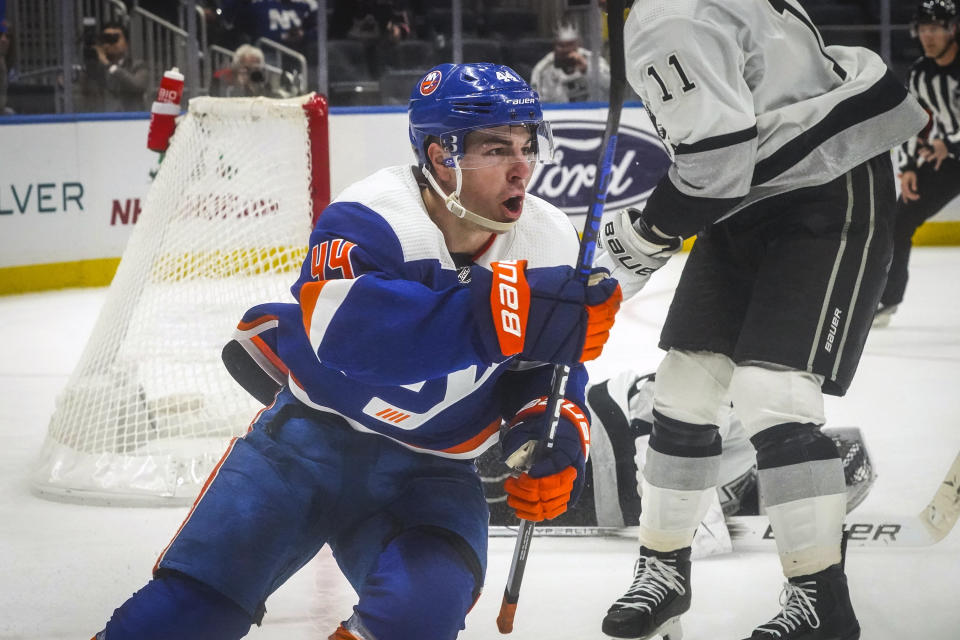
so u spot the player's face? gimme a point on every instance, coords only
(498, 163)
(935, 38)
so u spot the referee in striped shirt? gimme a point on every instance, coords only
(929, 165)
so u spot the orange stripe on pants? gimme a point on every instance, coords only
(203, 491)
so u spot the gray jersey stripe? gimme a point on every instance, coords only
(856, 288)
(833, 274)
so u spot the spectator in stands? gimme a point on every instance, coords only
(246, 77)
(563, 74)
(6, 66)
(111, 79)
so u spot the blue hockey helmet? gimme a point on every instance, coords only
(453, 99)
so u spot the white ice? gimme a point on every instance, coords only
(64, 567)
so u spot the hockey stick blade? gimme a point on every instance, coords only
(869, 529)
(866, 529)
(941, 514)
(588, 243)
(752, 533)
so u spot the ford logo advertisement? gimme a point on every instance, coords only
(639, 163)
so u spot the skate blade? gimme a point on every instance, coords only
(669, 630)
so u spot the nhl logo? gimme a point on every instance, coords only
(463, 275)
(430, 82)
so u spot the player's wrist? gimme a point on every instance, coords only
(649, 234)
(632, 249)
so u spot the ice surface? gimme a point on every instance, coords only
(64, 567)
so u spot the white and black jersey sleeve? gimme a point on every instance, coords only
(751, 103)
(703, 109)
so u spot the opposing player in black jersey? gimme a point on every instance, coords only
(781, 167)
(929, 166)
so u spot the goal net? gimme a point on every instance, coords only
(150, 408)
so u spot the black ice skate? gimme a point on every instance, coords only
(659, 594)
(815, 607)
(883, 315)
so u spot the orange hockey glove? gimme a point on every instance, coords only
(554, 482)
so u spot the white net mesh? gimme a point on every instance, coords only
(150, 408)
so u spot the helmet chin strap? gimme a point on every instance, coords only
(454, 206)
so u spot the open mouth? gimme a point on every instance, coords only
(514, 205)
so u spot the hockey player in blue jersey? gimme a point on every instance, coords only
(429, 302)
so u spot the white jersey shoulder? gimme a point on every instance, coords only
(393, 193)
(544, 235)
(749, 95)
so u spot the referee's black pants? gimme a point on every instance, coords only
(937, 188)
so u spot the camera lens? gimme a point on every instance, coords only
(256, 75)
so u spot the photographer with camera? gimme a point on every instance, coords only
(111, 80)
(245, 77)
(562, 74)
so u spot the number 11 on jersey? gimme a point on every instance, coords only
(686, 85)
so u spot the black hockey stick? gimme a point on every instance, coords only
(588, 245)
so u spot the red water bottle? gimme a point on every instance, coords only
(165, 109)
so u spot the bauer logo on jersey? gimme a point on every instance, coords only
(639, 164)
(430, 82)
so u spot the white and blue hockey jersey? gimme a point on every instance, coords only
(385, 333)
